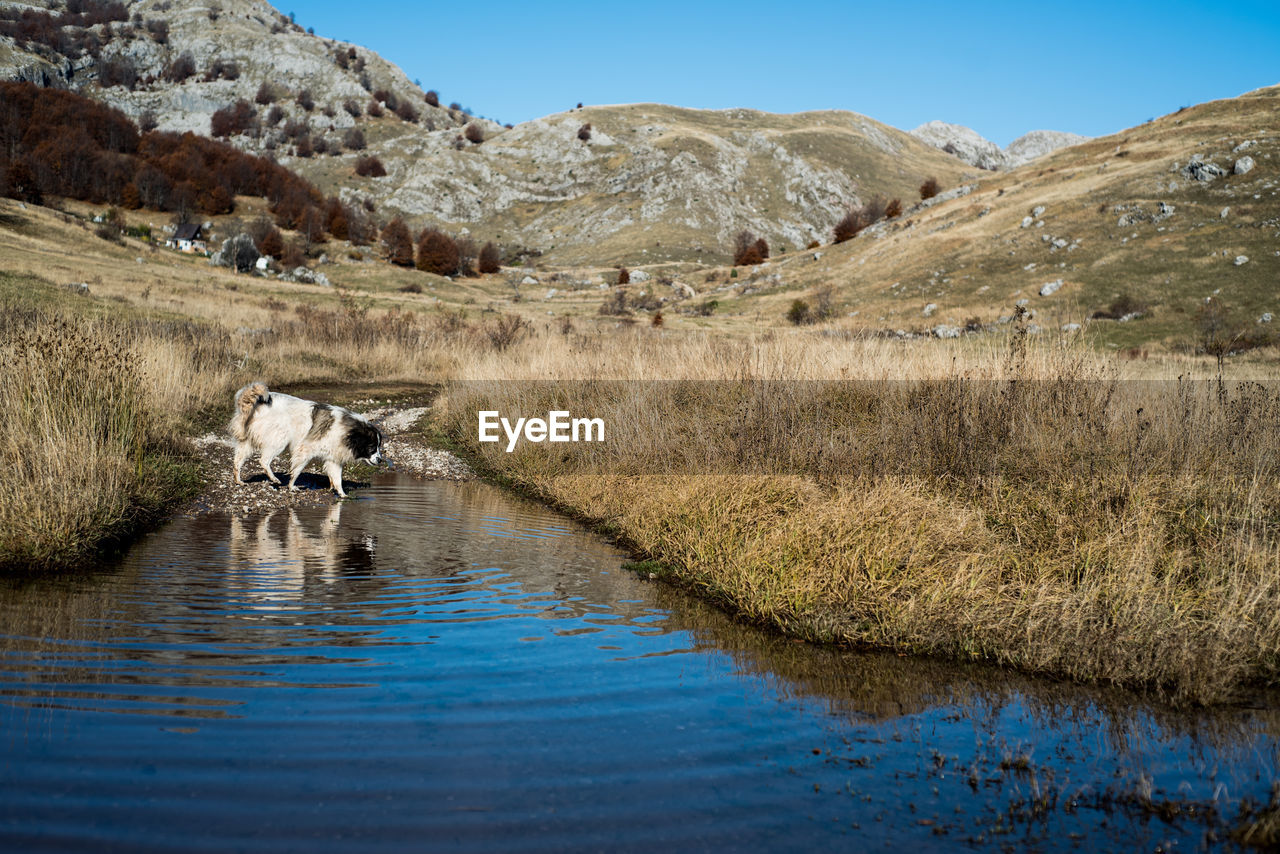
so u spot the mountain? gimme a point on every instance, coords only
(1141, 237)
(974, 149)
(645, 183)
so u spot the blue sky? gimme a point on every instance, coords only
(1000, 68)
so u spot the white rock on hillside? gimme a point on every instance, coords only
(974, 149)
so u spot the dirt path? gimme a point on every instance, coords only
(405, 448)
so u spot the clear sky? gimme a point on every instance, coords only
(1001, 68)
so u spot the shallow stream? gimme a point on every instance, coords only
(442, 666)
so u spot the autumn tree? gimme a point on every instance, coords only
(398, 243)
(437, 252)
(490, 260)
(929, 188)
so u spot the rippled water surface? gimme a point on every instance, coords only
(436, 666)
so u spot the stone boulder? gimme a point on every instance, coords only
(1197, 170)
(1243, 165)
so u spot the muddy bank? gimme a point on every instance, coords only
(405, 448)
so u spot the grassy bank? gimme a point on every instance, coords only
(1025, 505)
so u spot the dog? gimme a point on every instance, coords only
(269, 423)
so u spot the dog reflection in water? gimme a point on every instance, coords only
(280, 559)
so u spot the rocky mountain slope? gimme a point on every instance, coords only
(625, 184)
(1154, 234)
(976, 150)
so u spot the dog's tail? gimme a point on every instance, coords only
(248, 399)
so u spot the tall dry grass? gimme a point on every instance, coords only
(97, 408)
(1023, 504)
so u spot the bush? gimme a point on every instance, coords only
(405, 112)
(432, 97)
(506, 330)
(266, 95)
(305, 101)
(374, 109)
(749, 250)
(615, 304)
(893, 209)
(232, 120)
(490, 259)
(437, 252)
(799, 313)
(302, 148)
(274, 115)
(584, 132)
(353, 108)
(929, 188)
(369, 166)
(474, 133)
(398, 243)
(118, 71)
(624, 276)
(181, 68)
(354, 139)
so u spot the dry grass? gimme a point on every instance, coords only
(1026, 505)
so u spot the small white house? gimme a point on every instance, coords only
(188, 238)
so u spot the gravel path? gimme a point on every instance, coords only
(406, 450)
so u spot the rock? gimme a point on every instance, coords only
(1165, 211)
(1027, 221)
(1224, 213)
(1058, 243)
(639, 276)
(1241, 260)
(1023, 301)
(817, 256)
(1197, 170)
(217, 259)
(930, 309)
(1004, 318)
(1248, 143)
(321, 279)
(1266, 317)
(551, 292)
(324, 258)
(1037, 211)
(528, 280)
(1243, 165)
(944, 331)
(1050, 287)
(1070, 327)
(80, 288)
(1033, 328)
(139, 260)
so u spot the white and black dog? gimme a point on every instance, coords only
(269, 423)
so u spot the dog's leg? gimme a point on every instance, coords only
(242, 451)
(298, 465)
(335, 477)
(267, 457)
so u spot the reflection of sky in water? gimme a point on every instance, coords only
(446, 665)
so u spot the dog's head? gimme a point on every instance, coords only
(365, 441)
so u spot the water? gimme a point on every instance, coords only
(436, 666)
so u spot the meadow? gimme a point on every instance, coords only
(1024, 500)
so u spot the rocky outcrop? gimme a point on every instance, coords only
(974, 149)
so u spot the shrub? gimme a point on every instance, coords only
(302, 148)
(354, 139)
(490, 260)
(274, 115)
(266, 95)
(432, 97)
(474, 133)
(398, 243)
(305, 101)
(405, 112)
(148, 122)
(615, 304)
(369, 166)
(272, 243)
(374, 109)
(656, 321)
(118, 71)
(624, 276)
(893, 209)
(584, 132)
(232, 120)
(799, 313)
(320, 144)
(749, 250)
(181, 68)
(353, 108)
(506, 330)
(437, 252)
(929, 188)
